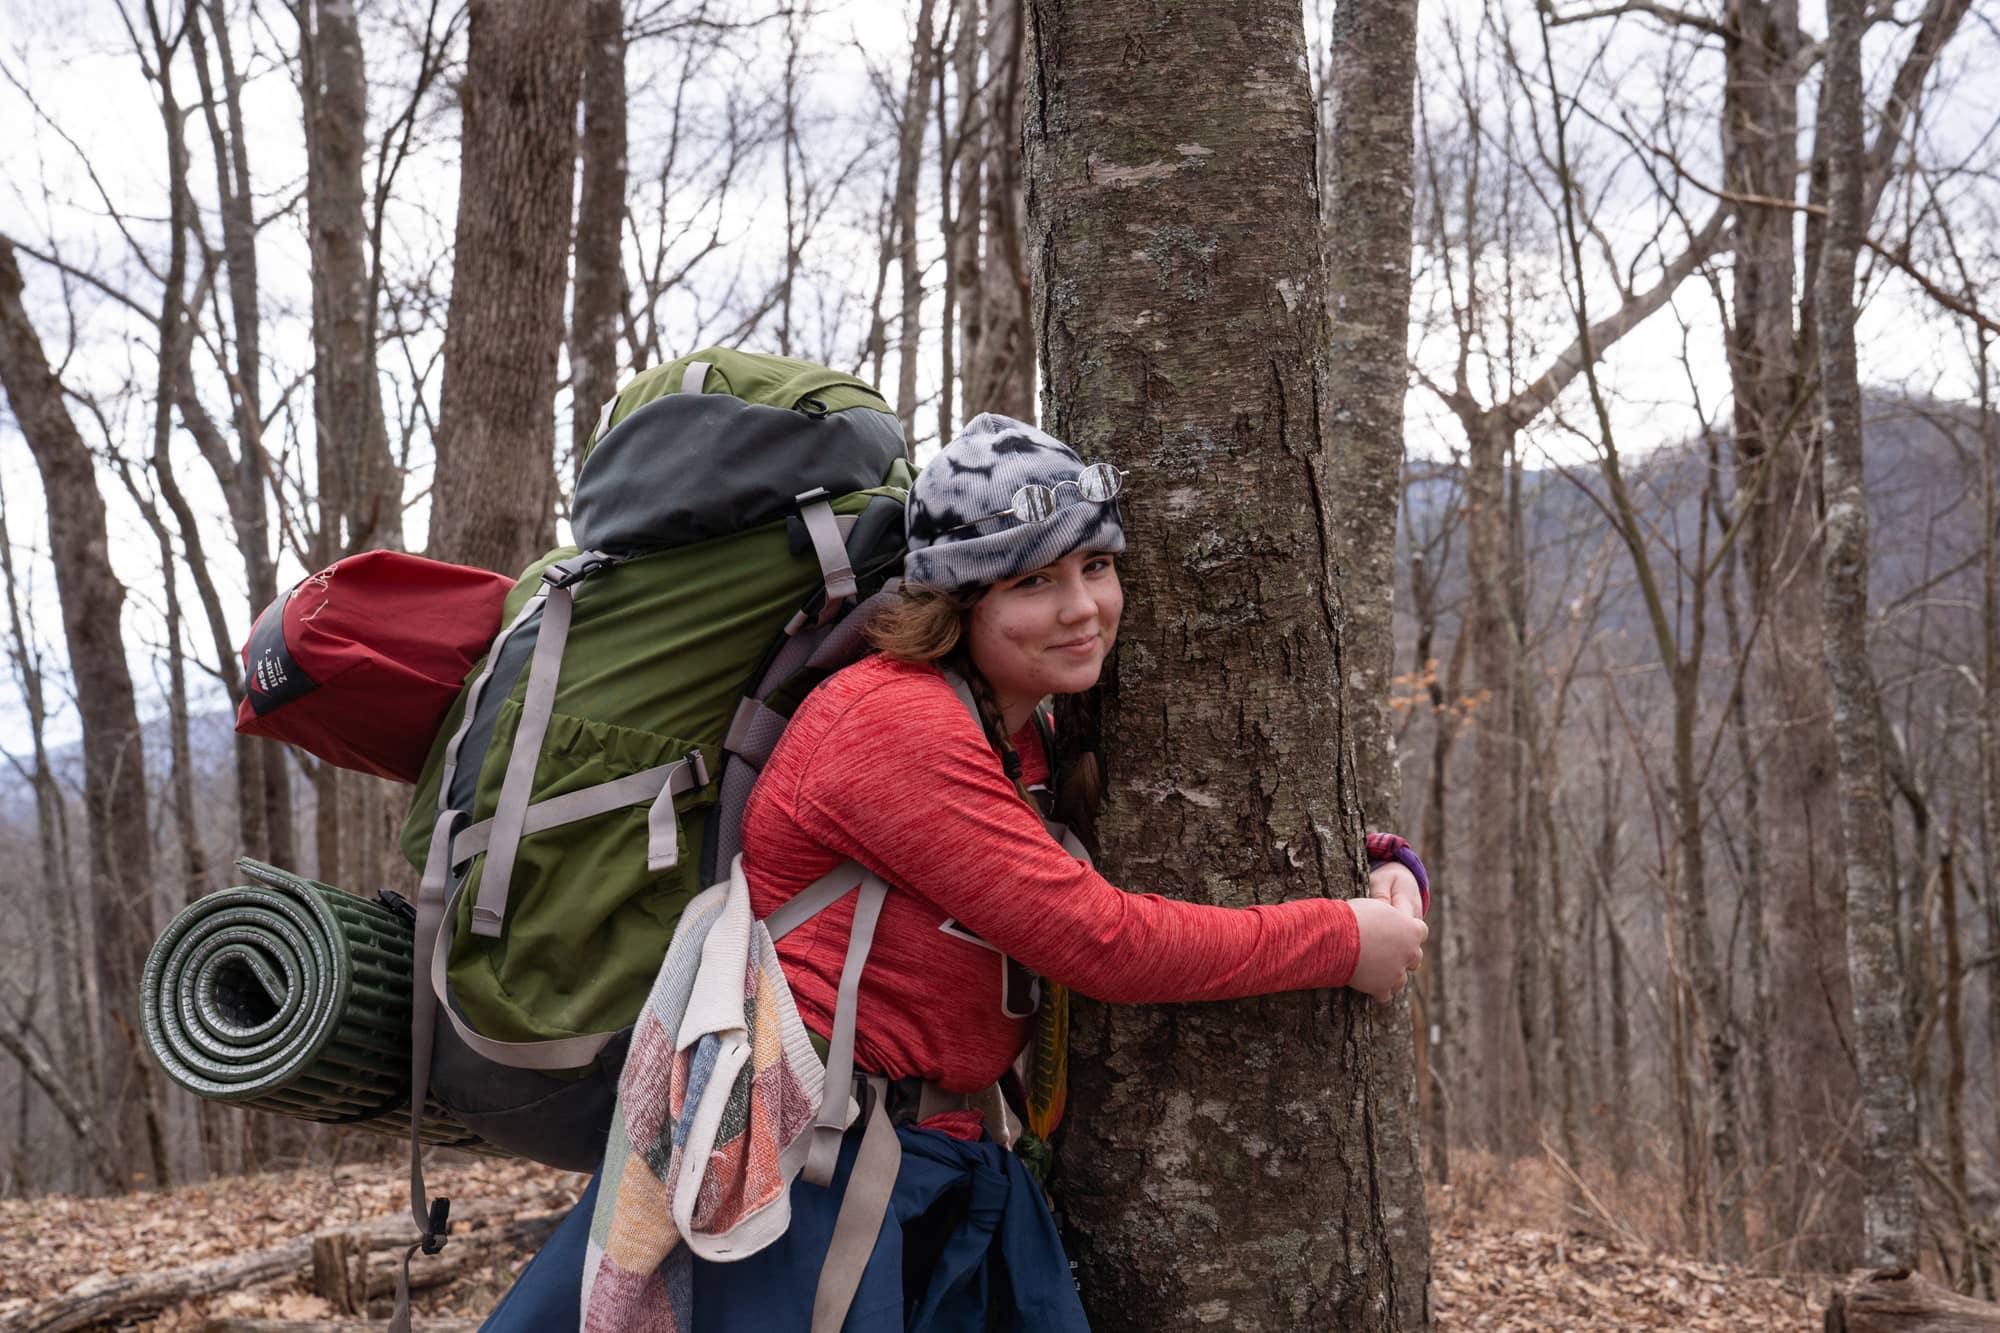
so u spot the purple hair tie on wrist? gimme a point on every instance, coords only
(1406, 857)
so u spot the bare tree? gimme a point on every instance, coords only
(120, 891)
(1489, 326)
(960, 190)
(1181, 312)
(360, 488)
(1874, 962)
(909, 151)
(263, 777)
(75, 1029)
(599, 302)
(998, 365)
(1371, 82)
(493, 492)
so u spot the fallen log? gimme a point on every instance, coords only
(1896, 1300)
(476, 1235)
(349, 1269)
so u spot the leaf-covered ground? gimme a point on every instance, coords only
(1489, 1275)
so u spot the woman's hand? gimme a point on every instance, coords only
(1392, 944)
(1393, 883)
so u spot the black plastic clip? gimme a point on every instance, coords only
(440, 1226)
(398, 904)
(565, 573)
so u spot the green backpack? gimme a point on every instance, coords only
(734, 514)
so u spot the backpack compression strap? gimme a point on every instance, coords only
(880, 1154)
(558, 597)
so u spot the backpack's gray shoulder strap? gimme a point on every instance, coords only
(815, 898)
(873, 1177)
(835, 1107)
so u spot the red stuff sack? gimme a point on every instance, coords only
(359, 663)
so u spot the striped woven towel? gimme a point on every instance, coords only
(719, 1091)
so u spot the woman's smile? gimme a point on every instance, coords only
(1046, 632)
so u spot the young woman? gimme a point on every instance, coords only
(884, 765)
(1011, 583)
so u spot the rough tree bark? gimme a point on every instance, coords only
(360, 486)
(598, 306)
(1240, 1161)
(114, 781)
(360, 499)
(493, 493)
(1000, 367)
(909, 153)
(1989, 713)
(1435, 976)
(1371, 85)
(1881, 1041)
(1773, 453)
(961, 186)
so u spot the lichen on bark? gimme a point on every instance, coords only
(1224, 1163)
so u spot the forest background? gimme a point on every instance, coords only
(1635, 311)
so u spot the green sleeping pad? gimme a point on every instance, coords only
(291, 996)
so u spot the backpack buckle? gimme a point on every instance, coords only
(398, 904)
(439, 1226)
(568, 573)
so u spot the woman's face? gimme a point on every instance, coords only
(1047, 632)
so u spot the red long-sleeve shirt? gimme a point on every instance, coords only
(884, 765)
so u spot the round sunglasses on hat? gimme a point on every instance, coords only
(1034, 502)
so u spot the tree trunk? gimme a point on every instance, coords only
(1881, 1040)
(194, 858)
(51, 834)
(93, 600)
(1774, 453)
(493, 498)
(1371, 85)
(1366, 229)
(1762, 1141)
(72, 1106)
(1236, 1160)
(598, 306)
(1493, 1080)
(961, 158)
(361, 496)
(264, 806)
(1440, 1032)
(909, 153)
(1989, 709)
(1606, 851)
(1002, 376)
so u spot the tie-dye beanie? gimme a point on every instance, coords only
(976, 475)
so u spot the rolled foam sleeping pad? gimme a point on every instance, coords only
(291, 996)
